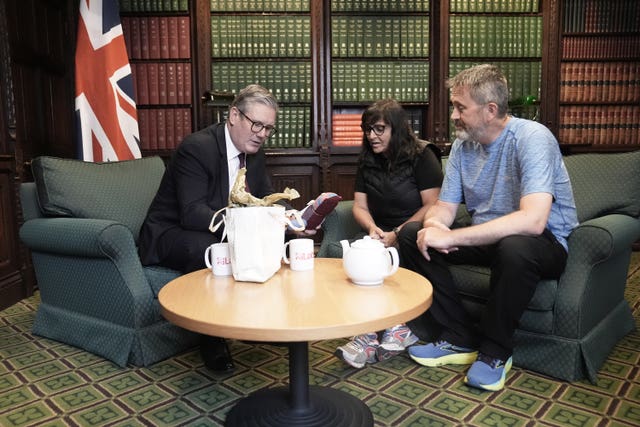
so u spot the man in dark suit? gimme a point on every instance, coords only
(196, 184)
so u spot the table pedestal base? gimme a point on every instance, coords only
(327, 407)
(300, 404)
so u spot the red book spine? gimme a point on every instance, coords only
(170, 128)
(187, 85)
(179, 126)
(186, 122)
(162, 83)
(143, 128)
(154, 37)
(153, 129)
(172, 84)
(141, 82)
(153, 82)
(163, 31)
(144, 37)
(134, 28)
(162, 130)
(174, 51)
(184, 41)
(180, 83)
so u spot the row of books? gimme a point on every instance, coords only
(260, 5)
(240, 36)
(602, 125)
(619, 47)
(600, 82)
(600, 15)
(380, 36)
(380, 6)
(480, 6)
(524, 78)
(495, 36)
(289, 81)
(162, 83)
(294, 124)
(365, 81)
(154, 5)
(157, 37)
(346, 131)
(163, 129)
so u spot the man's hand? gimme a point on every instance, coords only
(436, 236)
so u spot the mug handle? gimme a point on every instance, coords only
(284, 253)
(207, 261)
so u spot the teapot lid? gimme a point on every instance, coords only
(367, 243)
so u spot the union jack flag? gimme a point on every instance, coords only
(107, 120)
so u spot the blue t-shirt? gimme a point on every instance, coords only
(491, 179)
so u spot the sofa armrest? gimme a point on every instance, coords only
(338, 225)
(74, 236)
(599, 253)
(76, 257)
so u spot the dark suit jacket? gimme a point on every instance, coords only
(194, 186)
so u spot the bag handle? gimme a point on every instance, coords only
(214, 226)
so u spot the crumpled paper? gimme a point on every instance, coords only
(239, 196)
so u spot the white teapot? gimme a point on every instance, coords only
(367, 262)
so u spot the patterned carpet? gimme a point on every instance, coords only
(45, 383)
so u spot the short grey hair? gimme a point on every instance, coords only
(254, 94)
(486, 83)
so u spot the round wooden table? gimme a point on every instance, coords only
(295, 307)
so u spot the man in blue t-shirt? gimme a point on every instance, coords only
(510, 174)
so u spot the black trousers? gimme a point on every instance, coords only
(183, 250)
(517, 264)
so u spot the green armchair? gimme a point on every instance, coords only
(81, 225)
(572, 323)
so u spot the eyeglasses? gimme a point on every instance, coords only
(377, 129)
(256, 127)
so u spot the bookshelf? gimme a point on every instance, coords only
(599, 73)
(327, 60)
(378, 50)
(268, 43)
(507, 34)
(158, 38)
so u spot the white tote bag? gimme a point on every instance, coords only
(256, 241)
(256, 238)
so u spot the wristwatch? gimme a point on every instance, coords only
(396, 230)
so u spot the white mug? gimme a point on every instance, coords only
(218, 259)
(300, 254)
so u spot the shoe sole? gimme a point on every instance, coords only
(340, 355)
(498, 385)
(450, 359)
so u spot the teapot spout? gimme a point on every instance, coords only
(345, 246)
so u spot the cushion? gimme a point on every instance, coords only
(605, 183)
(118, 191)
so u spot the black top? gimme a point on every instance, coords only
(394, 196)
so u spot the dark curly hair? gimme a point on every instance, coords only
(404, 145)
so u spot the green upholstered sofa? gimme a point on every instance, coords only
(571, 324)
(81, 224)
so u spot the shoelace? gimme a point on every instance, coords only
(491, 361)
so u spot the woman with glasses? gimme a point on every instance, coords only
(398, 179)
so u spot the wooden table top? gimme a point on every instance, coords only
(293, 305)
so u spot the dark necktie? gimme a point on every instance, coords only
(243, 163)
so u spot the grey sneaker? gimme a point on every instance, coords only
(395, 340)
(360, 350)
